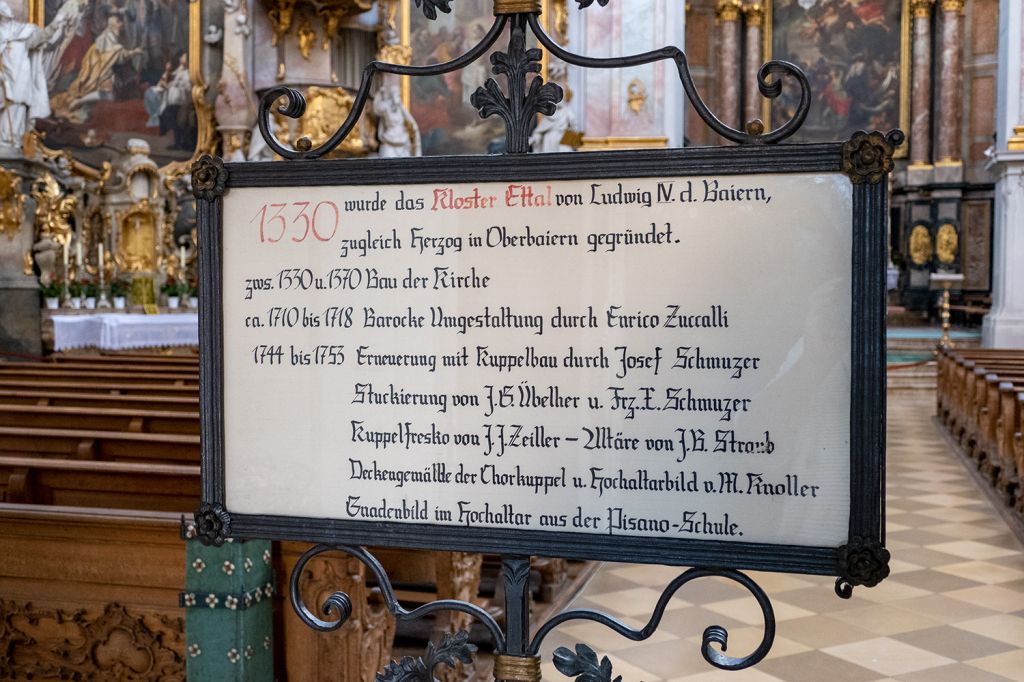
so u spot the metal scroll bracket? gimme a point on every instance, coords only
(517, 656)
(524, 97)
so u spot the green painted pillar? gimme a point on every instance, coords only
(228, 612)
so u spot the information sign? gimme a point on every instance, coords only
(661, 356)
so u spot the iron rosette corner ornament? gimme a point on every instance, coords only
(212, 525)
(209, 177)
(861, 562)
(868, 157)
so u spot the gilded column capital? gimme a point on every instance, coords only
(953, 5)
(754, 12)
(922, 9)
(728, 10)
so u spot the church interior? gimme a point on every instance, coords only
(106, 105)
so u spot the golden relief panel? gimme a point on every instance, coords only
(947, 244)
(137, 239)
(920, 245)
(12, 203)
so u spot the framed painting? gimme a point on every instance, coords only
(120, 70)
(856, 54)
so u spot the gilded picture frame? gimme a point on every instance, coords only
(205, 124)
(905, 54)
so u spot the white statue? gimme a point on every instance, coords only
(550, 132)
(396, 129)
(23, 93)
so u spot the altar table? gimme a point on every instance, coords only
(124, 331)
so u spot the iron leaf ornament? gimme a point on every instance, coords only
(517, 110)
(587, 3)
(583, 665)
(430, 7)
(452, 649)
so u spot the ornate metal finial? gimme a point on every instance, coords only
(867, 157)
(213, 524)
(587, 3)
(517, 110)
(209, 177)
(861, 562)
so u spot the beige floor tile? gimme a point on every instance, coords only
(1002, 627)
(964, 531)
(992, 597)
(747, 611)
(958, 672)
(638, 601)
(748, 675)
(957, 514)
(888, 656)
(819, 632)
(882, 619)
(944, 500)
(983, 572)
(1009, 665)
(971, 549)
(649, 575)
(890, 591)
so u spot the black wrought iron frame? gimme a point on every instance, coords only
(866, 158)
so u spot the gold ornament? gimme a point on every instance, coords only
(920, 246)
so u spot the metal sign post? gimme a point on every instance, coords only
(659, 381)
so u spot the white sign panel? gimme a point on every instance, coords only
(663, 357)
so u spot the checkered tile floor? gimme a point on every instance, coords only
(953, 608)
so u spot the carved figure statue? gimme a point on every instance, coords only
(396, 129)
(23, 93)
(549, 135)
(60, 31)
(54, 210)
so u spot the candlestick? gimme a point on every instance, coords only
(78, 252)
(66, 245)
(181, 261)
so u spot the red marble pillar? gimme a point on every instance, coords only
(752, 101)
(921, 84)
(951, 78)
(728, 15)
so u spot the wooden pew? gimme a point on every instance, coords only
(45, 377)
(85, 591)
(177, 403)
(112, 387)
(113, 485)
(99, 419)
(156, 369)
(99, 445)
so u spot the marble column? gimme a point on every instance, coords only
(727, 13)
(1004, 326)
(752, 100)
(949, 167)
(921, 86)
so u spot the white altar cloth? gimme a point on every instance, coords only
(122, 331)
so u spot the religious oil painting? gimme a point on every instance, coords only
(853, 53)
(118, 70)
(449, 124)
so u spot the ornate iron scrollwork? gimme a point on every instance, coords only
(583, 665)
(517, 64)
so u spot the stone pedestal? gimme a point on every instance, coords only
(20, 317)
(1004, 326)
